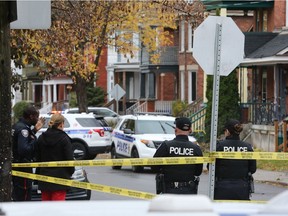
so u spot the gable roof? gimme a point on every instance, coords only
(255, 40)
(270, 53)
(272, 47)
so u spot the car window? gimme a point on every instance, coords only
(131, 125)
(89, 122)
(124, 124)
(106, 113)
(47, 119)
(103, 122)
(73, 111)
(154, 127)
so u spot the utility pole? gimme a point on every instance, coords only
(8, 13)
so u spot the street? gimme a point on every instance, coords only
(145, 182)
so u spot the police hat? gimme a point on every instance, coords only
(183, 123)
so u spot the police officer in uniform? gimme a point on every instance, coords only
(24, 140)
(179, 179)
(232, 175)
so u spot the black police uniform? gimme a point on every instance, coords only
(24, 140)
(231, 175)
(180, 179)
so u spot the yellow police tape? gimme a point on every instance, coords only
(136, 162)
(120, 162)
(102, 188)
(160, 161)
(86, 185)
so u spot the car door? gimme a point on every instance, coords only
(124, 138)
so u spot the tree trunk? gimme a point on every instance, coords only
(5, 104)
(81, 93)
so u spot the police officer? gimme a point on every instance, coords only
(24, 139)
(232, 175)
(180, 179)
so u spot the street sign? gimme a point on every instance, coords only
(117, 92)
(232, 45)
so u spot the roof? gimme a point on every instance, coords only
(237, 5)
(265, 49)
(255, 40)
(272, 47)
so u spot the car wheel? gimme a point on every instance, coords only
(135, 154)
(79, 150)
(114, 156)
(91, 156)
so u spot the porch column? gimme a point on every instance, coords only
(190, 45)
(182, 85)
(182, 30)
(49, 94)
(54, 92)
(44, 99)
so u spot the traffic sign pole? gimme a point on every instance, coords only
(216, 84)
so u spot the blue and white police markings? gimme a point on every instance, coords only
(122, 147)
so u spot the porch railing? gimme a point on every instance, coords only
(163, 107)
(258, 113)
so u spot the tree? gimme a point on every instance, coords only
(228, 106)
(81, 29)
(5, 98)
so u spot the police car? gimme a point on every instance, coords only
(138, 136)
(90, 135)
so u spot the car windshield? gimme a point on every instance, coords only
(89, 122)
(154, 127)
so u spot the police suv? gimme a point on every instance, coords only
(90, 135)
(138, 136)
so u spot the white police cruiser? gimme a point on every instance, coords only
(90, 135)
(138, 136)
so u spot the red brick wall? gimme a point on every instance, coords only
(278, 15)
(244, 22)
(102, 73)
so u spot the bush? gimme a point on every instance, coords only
(178, 106)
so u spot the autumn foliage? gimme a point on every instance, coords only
(81, 29)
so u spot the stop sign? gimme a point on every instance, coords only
(231, 45)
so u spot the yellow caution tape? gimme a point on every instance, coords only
(102, 188)
(160, 161)
(121, 162)
(86, 185)
(251, 155)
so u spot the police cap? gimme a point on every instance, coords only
(183, 123)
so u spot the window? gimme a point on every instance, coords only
(142, 86)
(89, 122)
(193, 86)
(154, 127)
(151, 85)
(264, 85)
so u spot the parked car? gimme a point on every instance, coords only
(73, 193)
(138, 136)
(90, 136)
(109, 115)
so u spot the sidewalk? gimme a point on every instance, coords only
(273, 177)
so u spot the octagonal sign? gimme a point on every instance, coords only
(231, 44)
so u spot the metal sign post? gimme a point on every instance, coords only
(216, 85)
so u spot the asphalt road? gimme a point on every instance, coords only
(145, 182)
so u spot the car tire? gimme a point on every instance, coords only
(135, 154)
(91, 156)
(79, 151)
(114, 156)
